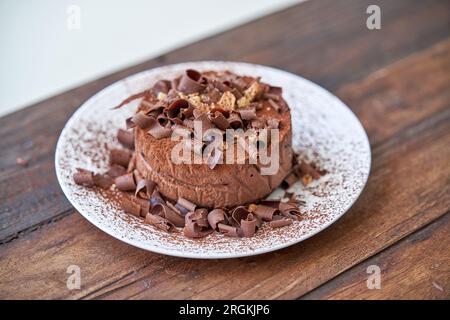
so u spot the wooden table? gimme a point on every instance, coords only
(397, 81)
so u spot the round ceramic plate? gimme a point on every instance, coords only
(325, 132)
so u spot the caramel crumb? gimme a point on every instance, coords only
(249, 95)
(307, 179)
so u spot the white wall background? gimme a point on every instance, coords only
(40, 56)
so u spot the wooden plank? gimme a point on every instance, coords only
(308, 39)
(404, 193)
(415, 88)
(418, 267)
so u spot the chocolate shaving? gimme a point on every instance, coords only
(84, 177)
(133, 97)
(173, 110)
(132, 163)
(248, 226)
(265, 213)
(190, 82)
(145, 188)
(274, 105)
(290, 211)
(141, 120)
(130, 207)
(305, 168)
(239, 213)
(247, 114)
(159, 222)
(156, 198)
(206, 123)
(215, 217)
(219, 120)
(126, 182)
(116, 170)
(289, 180)
(235, 121)
(257, 124)
(126, 138)
(144, 205)
(280, 223)
(120, 157)
(161, 86)
(227, 230)
(103, 181)
(164, 211)
(270, 203)
(186, 204)
(158, 131)
(196, 224)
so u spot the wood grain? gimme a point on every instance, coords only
(323, 40)
(417, 267)
(395, 79)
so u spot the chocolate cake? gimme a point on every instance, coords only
(219, 193)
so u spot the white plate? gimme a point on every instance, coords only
(324, 131)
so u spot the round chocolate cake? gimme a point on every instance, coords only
(194, 156)
(218, 100)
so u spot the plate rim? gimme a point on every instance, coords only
(177, 253)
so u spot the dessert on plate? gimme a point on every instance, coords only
(192, 156)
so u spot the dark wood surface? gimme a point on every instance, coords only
(396, 80)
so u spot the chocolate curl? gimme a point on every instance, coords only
(186, 204)
(265, 213)
(159, 222)
(145, 188)
(269, 203)
(196, 224)
(280, 223)
(163, 210)
(116, 170)
(228, 231)
(239, 213)
(247, 114)
(221, 86)
(103, 181)
(126, 138)
(141, 120)
(132, 163)
(161, 86)
(197, 113)
(305, 168)
(173, 110)
(206, 123)
(144, 205)
(289, 180)
(214, 95)
(126, 182)
(130, 207)
(215, 217)
(257, 124)
(273, 123)
(235, 121)
(219, 120)
(84, 177)
(278, 91)
(190, 82)
(133, 97)
(248, 226)
(290, 211)
(188, 112)
(188, 123)
(158, 131)
(120, 157)
(274, 105)
(156, 198)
